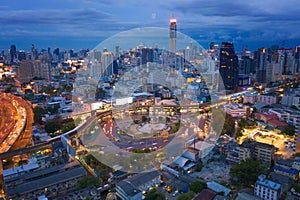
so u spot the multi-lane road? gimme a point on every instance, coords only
(8, 113)
(16, 119)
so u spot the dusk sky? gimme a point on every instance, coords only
(84, 23)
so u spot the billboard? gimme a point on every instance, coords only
(124, 101)
(97, 105)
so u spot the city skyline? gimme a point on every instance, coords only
(85, 23)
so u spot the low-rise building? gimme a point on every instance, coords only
(218, 188)
(203, 148)
(265, 117)
(205, 194)
(291, 173)
(267, 189)
(256, 98)
(133, 187)
(237, 110)
(264, 153)
(51, 182)
(296, 163)
(285, 168)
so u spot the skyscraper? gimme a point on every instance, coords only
(25, 71)
(229, 66)
(173, 29)
(297, 60)
(13, 52)
(107, 59)
(147, 55)
(42, 69)
(261, 68)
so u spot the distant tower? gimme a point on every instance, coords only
(173, 29)
(229, 66)
(13, 52)
(107, 60)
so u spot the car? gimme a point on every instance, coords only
(175, 193)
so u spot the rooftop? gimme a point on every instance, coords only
(23, 168)
(201, 145)
(128, 188)
(267, 183)
(205, 194)
(277, 123)
(189, 155)
(44, 182)
(38, 173)
(289, 171)
(285, 162)
(142, 178)
(218, 188)
(180, 161)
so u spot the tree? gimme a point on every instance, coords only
(229, 125)
(53, 110)
(155, 195)
(52, 126)
(294, 107)
(199, 167)
(67, 125)
(198, 186)
(297, 188)
(100, 93)
(288, 130)
(144, 119)
(87, 181)
(246, 172)
(38, 113)
(187, 196)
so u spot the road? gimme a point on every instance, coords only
(16, 119)
(90, 120)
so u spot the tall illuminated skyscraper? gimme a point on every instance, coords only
(229, 66)
(173, 30)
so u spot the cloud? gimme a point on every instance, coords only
(205, 20)
(73, 22)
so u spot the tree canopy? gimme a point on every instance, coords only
(38, 113)
(246, 172)
(87, 181)
(288, 130)
(187, 196)
(198, 186)
(155, 195)
(229, 125)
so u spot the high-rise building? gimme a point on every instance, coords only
(297, 134)
(21, 55)
(25, 71)
(117, 53)
(13, 52)
(286, 61)
(173, 30)
(246, 65)
(94, 59)
(147, 55)
(261, 67)
(42, 69)
(34, 52)
(107, 60)
(297, 60)
(229, 66)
